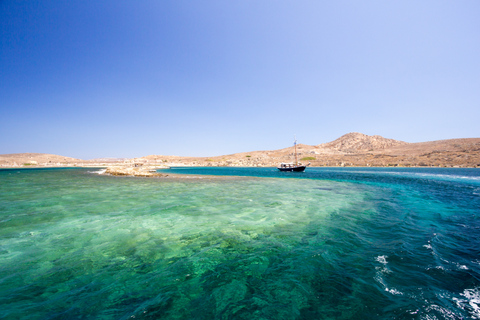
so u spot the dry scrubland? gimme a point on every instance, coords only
(352, 149)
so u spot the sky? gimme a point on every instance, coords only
(115, 78)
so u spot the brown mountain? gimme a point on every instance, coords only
(33, 159)
(352, 149)
(357, 142)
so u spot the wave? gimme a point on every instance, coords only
(445, 176)
(101, 171)
(422, 175)
(470, 302)
(381, 272)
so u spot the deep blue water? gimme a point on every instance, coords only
(329, 243)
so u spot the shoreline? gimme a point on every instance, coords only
(135, 174)
(151, 171)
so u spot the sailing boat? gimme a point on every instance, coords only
(293, 167)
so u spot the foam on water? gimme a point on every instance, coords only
(100, 171)
(429, 175)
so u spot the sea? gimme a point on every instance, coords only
(240, 243)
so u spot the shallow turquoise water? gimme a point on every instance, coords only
(336, 243)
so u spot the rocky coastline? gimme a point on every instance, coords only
(151, 172)
(132, 171)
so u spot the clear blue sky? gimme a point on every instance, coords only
(119, 78)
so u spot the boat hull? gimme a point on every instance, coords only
(293, 169)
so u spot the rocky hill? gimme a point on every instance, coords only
(352, 149)
(34, 159)
(358, 142)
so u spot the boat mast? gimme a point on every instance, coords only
(295, 143)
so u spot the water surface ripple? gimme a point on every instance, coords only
(330, 243)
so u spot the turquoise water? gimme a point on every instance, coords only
(329, 243)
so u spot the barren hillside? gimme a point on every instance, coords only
(33, 159)
(352, 149)
(358, 142)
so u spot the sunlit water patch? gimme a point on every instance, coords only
(74, 244)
